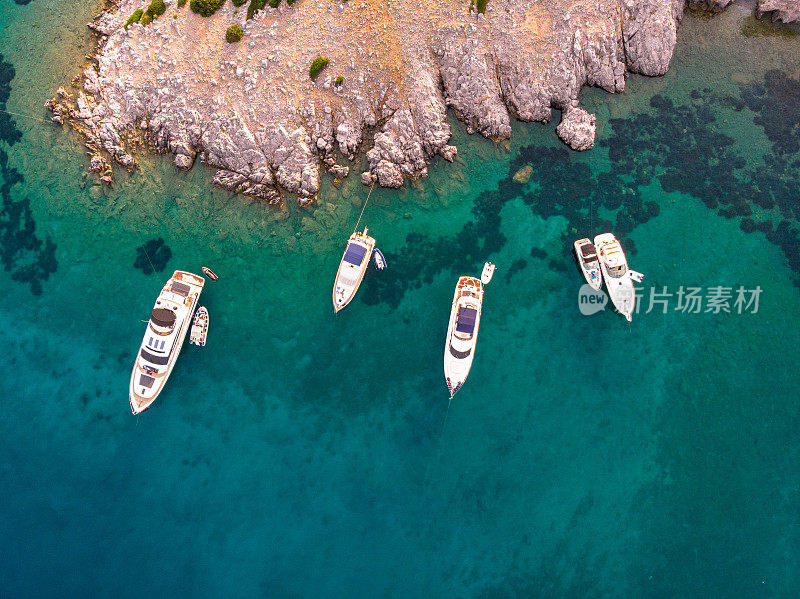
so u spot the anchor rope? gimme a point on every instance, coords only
(364, 207)
(25, 116)
(148, 257)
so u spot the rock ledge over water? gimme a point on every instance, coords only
(251, 110)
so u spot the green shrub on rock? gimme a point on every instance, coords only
(338, 81)
(181, 3)
(254, 7)
(233, 34)
(238, 3)
(205, 8)
(134, 18)
(478, 6)
(274, 3)
(320, 62)
(156, 8)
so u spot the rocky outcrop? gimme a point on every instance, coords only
(787, 11)
(411, 136)
(251, 111)
(577, 128)
(649, 34)
(708, 5)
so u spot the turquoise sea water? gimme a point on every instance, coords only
(305, 455)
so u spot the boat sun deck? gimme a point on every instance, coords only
(589, 262)
(462, 332)
(352, 268)
(616, 274)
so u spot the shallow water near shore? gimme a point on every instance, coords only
(300, 454)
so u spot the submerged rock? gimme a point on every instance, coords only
(787, 11)
(709, 5)
(523, 175)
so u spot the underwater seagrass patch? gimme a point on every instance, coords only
(776, 103)
(676, 145)
(8, 130)
(152, 256)
(558, 186)
(22, 253)
(679, 146)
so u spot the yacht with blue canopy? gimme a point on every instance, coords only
(462, 332)
(352, 268)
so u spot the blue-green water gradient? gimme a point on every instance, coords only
(305, 455)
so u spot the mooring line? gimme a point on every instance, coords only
(364, 207)
(25, 116)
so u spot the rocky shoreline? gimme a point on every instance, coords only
(251, 110)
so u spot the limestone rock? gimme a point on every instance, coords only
(577, 128)
(183, 161)
(96, 163)
(338, 171)
(257, 117)
(241, 184)
(91, 83)
(787, 11)
(649, 34)
(449, 153)
(710, 5)
(471, 85)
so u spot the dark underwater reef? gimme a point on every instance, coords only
(677, 145)
(22, 253)
(153, 256)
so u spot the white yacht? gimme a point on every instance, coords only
(462, 332)
(352, 268)
(616, 274)
(199, 331)
(169, 322)
(590, 264)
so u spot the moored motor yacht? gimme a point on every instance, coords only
(462, 331)
(199, 330)
(169, 322)
(616, 274)
(589, 263)
(352, 268)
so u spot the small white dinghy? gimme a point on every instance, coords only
(636, 276)
(488, 273)
(352, 268)
(590, 263)
(199, 327)
(379, 259)
(616, 274)
(462, 332)
(210, 273)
